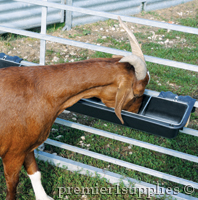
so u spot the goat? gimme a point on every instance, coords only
(32, 97)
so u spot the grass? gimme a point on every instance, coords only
(76, 185)
(181, 82)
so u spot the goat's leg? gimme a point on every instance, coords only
(12, 165)
(35, 177)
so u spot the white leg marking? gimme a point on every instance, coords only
(37, 186)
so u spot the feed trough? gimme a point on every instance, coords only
(164, 115)
(8, 61)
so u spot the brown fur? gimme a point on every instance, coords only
(32, 97)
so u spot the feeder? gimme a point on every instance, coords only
(164, 115)
(8, 61)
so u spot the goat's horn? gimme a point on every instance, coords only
(137, 57)
(136, 50)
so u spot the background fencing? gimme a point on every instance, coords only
(125, 7)
(25, 15)
(156, 4)
(76, 166)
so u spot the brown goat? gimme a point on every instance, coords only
(32, 97)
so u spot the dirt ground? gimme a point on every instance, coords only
(28, 48)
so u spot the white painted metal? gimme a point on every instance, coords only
(68, 17)
(156, 4)
(43, 31)
(114, 16)
(113, 178)
(125, 7)
(122, 163)
(99, 48)
(127, 140)
(190, 131)
(26, 63)
(25, 15)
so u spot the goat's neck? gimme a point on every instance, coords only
(68, 83)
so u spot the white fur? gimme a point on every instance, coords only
(37, 186)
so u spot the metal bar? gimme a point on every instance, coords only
(171, 63)
(122, 163)
(43, 31)
(68, 20)
(113, 16)
(111, 177)
(127, 140)
(62, 12)
(99, 48)
(156, 5)
(113, 7)
(190, 131)
(97, 3)
(28, 64)
(31, 22)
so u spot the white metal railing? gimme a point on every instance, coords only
(100, 48)
(55, 159)
(23, 15)
(113, 16)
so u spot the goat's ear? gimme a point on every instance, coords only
(124, 90)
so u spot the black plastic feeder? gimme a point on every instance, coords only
(8, 61)
(164, 115)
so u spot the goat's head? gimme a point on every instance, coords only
(130, 91)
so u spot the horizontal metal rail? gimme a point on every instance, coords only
(24, 16)
(99, 48)
(122, 163)
(112, 178)
(190, 131)
(113, 16)
(128, 140)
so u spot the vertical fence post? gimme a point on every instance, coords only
(43, 31)
(68, 20)
(62, 12)
(143, 6)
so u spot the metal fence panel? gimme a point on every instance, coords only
(160, 4)
(125, 7)
(116, 7)
(24, 15)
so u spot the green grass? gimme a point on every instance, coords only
(163, 78)
(54, 179)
